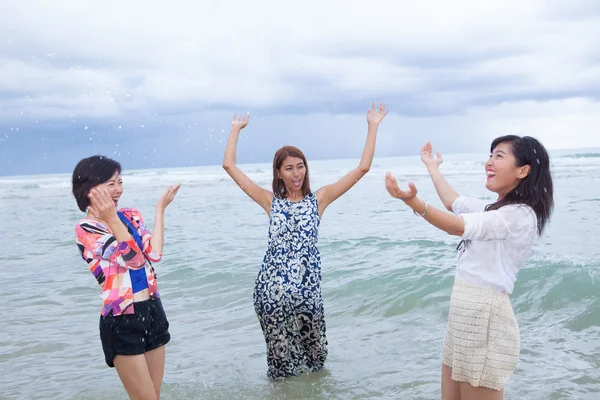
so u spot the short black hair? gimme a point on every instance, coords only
(89, 173)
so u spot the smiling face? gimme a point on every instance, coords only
(114, 186)
(503, 175)
(292, 173)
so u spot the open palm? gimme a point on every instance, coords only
(427, 156)
(168, 196)
(375, 115)
(102, 206)
(240, 122)
(394, 190)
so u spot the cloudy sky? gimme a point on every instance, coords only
(155, 85)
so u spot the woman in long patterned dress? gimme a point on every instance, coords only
(287, 292)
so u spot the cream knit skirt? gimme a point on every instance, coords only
(482, 341)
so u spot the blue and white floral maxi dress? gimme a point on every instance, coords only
(287, 292)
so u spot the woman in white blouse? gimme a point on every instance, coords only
(482, 344)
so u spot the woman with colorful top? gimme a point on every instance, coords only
(287, 291)
(119, 251)
(482, 341)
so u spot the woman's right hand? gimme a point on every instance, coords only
(394, 190)
(102, 205)
(427, 156)
(240, 122)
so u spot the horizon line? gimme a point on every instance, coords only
(313, 159)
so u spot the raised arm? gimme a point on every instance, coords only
(449, 223)
(158, 233)
(446, 193)
(328, 194)
(262, 196)
(509, 222)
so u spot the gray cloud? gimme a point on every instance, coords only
(458, 73)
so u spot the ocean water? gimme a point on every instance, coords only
(387, 278)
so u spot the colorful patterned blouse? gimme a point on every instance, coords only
(110, 261)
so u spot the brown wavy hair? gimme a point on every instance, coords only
(278, 185)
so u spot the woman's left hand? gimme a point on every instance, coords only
(167, 197)
(376, 115)
(392, 187)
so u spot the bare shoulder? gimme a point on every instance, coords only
(267, 202)
(268, 195)
(320, 192)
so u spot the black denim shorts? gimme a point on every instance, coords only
(130, 334)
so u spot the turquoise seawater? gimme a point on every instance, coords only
(387, 277)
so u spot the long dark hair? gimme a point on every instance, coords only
(279, 188)
(536, 189)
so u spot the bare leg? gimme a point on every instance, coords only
(468, 392)
(450, 388)
(134, 373)
(156, 365)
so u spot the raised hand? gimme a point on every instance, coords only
(167, 197)
(427, 156)
(392, 187)
(375, 115)
(240, 122)
(102, 206)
